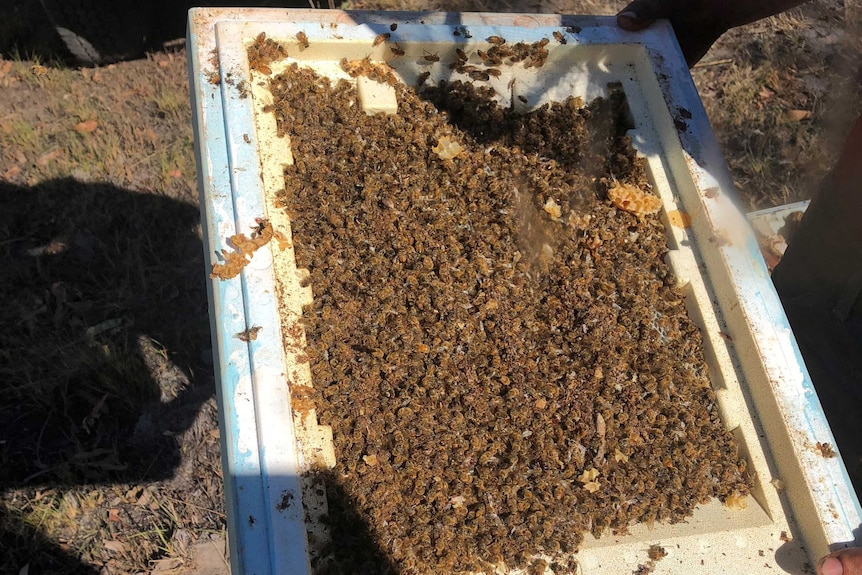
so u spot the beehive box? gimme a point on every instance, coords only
(801, 504)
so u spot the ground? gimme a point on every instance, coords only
(109, 458)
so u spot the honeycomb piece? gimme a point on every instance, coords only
(553, 209)
(447, 148)
(632, 199)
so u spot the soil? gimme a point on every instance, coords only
(498, 348)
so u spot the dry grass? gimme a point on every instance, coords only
(108, 446)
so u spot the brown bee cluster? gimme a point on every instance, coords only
(379, 71)
(497, 54)
(263, 52)
(503, 366)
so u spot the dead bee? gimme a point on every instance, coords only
(461, 54)
(558, 36)
(302, 39)
(500, 51)
(480, 76)
(494, 72)
(246, 139)
(249, 334)
(397, 50)
(496, 40)
(393, 26)
(380, 39)
(259, 227)
(422, 78)
(429, 57)
(462, 31)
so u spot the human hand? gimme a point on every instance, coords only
(697, 23)
(843, 562)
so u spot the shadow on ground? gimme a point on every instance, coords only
(105, 342)
(27, 32)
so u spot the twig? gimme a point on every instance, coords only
(721, 62)
(213, 511)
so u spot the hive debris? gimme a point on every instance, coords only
(634, 200)
(245, 248)
(447, 148)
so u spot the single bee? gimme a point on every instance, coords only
(480, 76)
(393, 26)
(496, 40)
(381, 38)
(431, 57)
(422, 78)
(494, 72)
(249, 334)
(302, 39)
(558, 36)
(397, 50)
(461, 54)
(462, 31)
(523, 99)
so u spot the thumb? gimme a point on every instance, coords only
(641, 13)
(844, 562)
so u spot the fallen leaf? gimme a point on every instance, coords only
(797, 115)
(5, 68)
(48, 157)
(38, 70)
(86, 127)
(11, 172)
(115, 546)
(164, 63)
(766, 94)
(114, 514)
(175, 174)
(166, 564)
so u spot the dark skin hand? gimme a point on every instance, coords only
(699, 23)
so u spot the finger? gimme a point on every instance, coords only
(641, 13)
(843, 562)
(830, 566)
